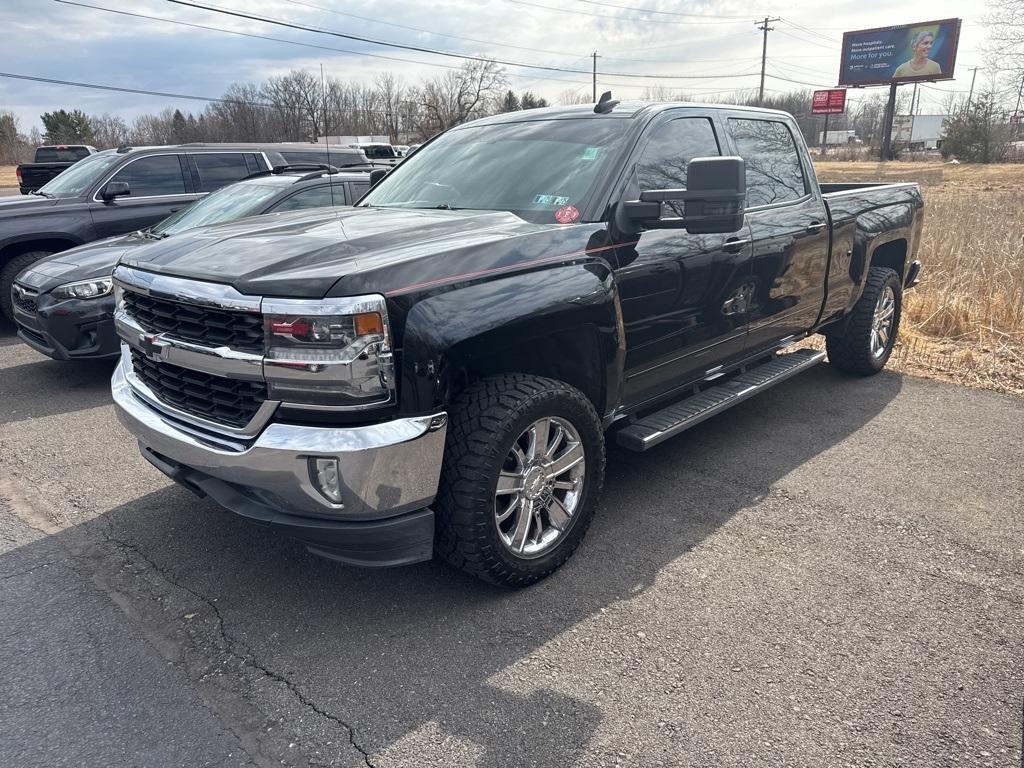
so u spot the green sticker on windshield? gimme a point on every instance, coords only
(590, 153)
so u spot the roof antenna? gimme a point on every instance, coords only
(327, 135)
(605, 104)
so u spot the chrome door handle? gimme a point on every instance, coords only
(734, 245)
(815, 227)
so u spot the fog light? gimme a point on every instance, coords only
(326, 474)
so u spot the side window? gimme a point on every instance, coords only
(774, 174)
(671, 147)
(317, 197)
(152, 176)
(216, 170)
(358, 190)
(253, 164)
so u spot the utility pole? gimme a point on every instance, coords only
(971, 94)
(764, 51)
(594, 56)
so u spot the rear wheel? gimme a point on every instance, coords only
(523, 469)
(865, 346)
(10, 271)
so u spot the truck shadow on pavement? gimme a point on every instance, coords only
(399, 655)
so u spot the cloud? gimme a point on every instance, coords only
(51, 39)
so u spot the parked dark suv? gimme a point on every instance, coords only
(63, 304)
(118, 191)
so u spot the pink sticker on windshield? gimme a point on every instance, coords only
(567, 214)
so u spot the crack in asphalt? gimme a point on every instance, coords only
(28, 570)
(240, 650)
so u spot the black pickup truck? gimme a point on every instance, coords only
(439, 372)
(49, 162)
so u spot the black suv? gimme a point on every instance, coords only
(123, 190)
(63, 304)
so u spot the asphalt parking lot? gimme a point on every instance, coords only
(831, 574)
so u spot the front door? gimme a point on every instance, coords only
(682, 295)
(159, 185)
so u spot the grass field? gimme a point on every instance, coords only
(965, 321)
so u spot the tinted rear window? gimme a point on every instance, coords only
(218, 169)
(60, 154)
(335, 157)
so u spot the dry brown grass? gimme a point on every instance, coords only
(965, 320)
(7, 176)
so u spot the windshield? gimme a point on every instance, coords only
(534, 169)
(79, 177)
(226, 204)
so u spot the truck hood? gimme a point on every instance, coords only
(85, 262)
(304, 257)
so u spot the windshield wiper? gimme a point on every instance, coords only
(43, 194)
(446, 207)
(150, 235)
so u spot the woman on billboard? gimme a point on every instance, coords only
(920, 65)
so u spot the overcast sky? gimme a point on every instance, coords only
(717, 48)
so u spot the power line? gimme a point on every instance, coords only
(620, 18)
(254, 36)
(450, 54)
(664, 13)
(810, 31)
(426, 31)
(142, 91)
(831, 47)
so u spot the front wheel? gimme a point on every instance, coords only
(866, 344)
(523, 469)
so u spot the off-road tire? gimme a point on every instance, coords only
(484, 421)
(9, 271)
(851, 352)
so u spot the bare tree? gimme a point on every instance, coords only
(110, 131)
(455, 97)
(391, 93)
(1004, 47)
(574, 96)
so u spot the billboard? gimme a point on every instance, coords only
(830, 102)
(924, 51)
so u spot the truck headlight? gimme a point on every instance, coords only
(84, 289)
(319, 354)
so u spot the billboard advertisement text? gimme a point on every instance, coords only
(924, 51)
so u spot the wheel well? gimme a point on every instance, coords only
(573, 356)
(893, 255)
(53, 245)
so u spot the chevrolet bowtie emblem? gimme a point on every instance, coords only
(151, 346)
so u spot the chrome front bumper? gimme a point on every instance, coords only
(387, 469)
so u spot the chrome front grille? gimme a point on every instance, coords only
(200, 324)
(214, 398)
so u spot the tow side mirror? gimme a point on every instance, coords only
(713, 201)
(376, 175)
(115, 189)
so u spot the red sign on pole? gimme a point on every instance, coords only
(830, 102)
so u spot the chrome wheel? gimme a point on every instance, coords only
(540, 487)
(882, 324)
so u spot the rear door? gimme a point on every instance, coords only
(789, 228)
(160, 184)
(213, 170)
(678, 290)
